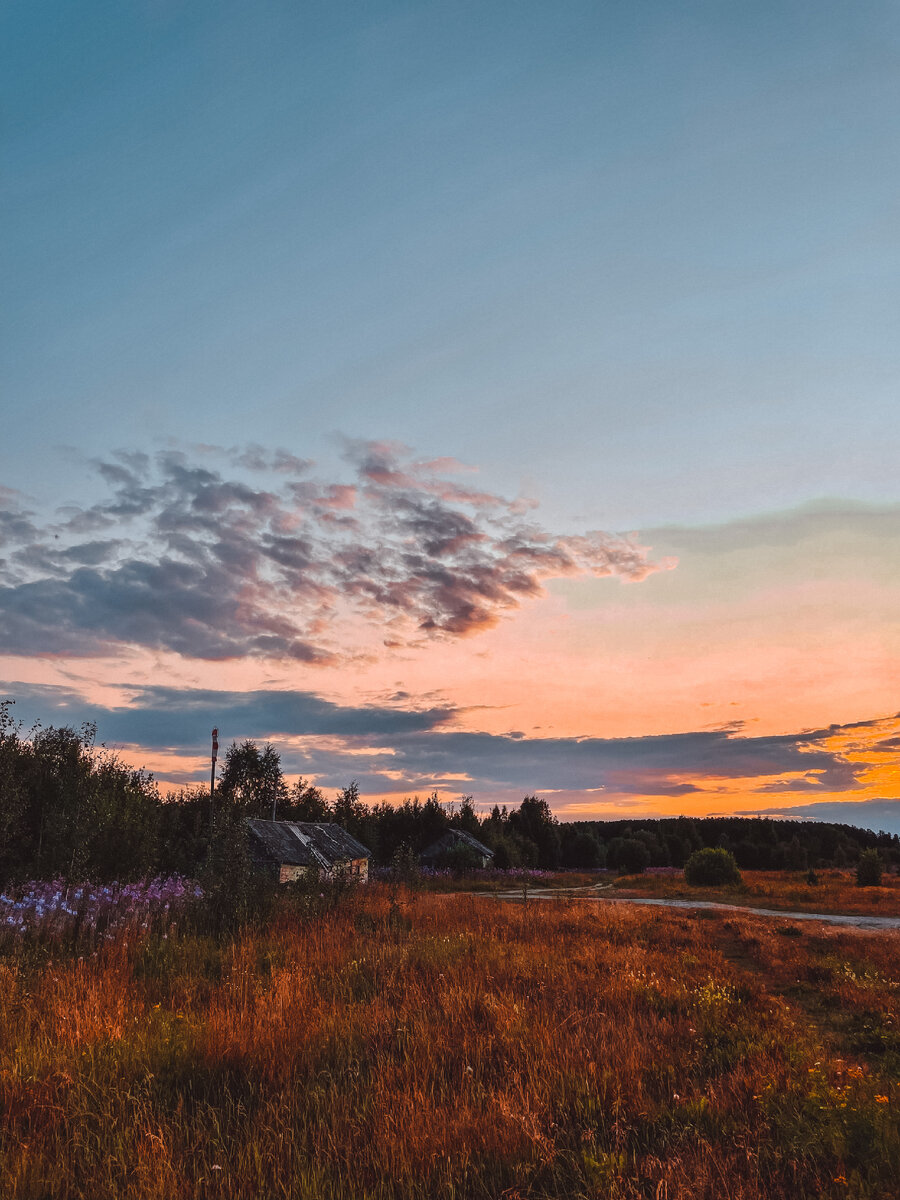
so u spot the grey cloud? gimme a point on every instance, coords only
(214, 567)
(162, 605)
(648, 765)
(174, 718)
(16, 526)
(90, 554)
(258, 458)
(390, 748)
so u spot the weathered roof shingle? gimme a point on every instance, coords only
(305, 844)
(453, 839)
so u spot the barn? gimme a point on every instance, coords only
(456, 845)
(290, 848)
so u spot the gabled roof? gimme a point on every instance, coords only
(305, 843)
(453, 839)
(332, 840)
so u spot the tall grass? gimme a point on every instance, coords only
(419, 1046)
(835, 891)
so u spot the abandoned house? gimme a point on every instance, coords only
(290, 848)
(453, 847)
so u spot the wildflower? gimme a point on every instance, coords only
(881, 1100)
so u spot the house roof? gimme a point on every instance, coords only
(305, 843)
(453, 839)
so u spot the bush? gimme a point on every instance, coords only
(868, 869)
(405, 865)
(711, 867)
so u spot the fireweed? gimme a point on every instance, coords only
(54, 909)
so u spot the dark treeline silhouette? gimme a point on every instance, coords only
(72, 809)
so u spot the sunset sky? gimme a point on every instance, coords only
(488, 398)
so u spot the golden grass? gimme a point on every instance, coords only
(458, 1047)
(835, 892)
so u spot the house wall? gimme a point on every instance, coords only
(288, 874)
(357, 868)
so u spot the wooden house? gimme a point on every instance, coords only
(290, 848)
(456, 845)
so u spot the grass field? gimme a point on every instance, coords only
(404, 1045)
(835, 892)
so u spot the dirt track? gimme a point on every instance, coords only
(852, 920)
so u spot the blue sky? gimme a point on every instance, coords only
(636, 262)
(640, 260)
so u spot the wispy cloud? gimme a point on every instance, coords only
(187, 556)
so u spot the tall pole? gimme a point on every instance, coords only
(212, 777)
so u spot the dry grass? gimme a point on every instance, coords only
(455, 1047)
(835, 892)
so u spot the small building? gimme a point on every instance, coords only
(291, 848)
(454, 846)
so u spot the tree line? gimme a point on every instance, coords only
(70, 808)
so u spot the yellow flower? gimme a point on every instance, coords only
(881, 1099)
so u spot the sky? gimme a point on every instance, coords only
(486, 398)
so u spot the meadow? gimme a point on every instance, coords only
(834, 891)
(403, 1044)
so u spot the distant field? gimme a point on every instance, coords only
(835, 892)
(418, 1046)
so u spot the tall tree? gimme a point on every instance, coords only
(307, 803)
(535, 823)
(349, 811)
(252, 781)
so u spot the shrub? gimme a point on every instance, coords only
(405, 865)
(868, 869)
(710, 867)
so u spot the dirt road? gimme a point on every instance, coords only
(852, 920)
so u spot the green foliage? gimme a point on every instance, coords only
(235, 890)
(711, 867)
(466, 818)
(868, 869)
(306, 803)
(537, 827)
(405, 865)
(348, 810)
(630, 855)
(70, 808)
(252, 781)
(460, 859)
(506, 853)
(585, 851)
